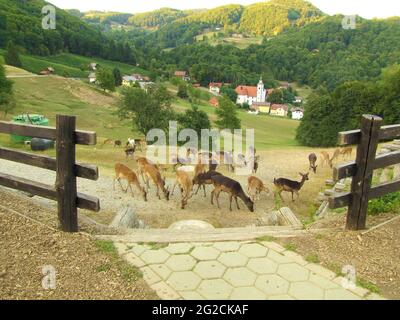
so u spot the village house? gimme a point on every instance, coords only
(93, 66)
(298, 100)
(249, 94)
(92, 77)
(214, 102)
(128, 81)
(215, 87)
(297, 113)
(47, 71)
(182, 74)
(280, 110)
(261, 107)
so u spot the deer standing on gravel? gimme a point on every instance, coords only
(141, 162)
(151, 172)
(231, 187)
(204, 178)
(186, 185)
(287, 185)
(123, 172)
(312, 158)
(254, 187)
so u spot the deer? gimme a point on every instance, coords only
(123, 172)
(254, 187)
(346, 152)
(130, 152)
(202, 179)
(325, 159)
(141, 162)
(151, 172)
(287, 185)
(186, 185)
(312, 158)
(233, 188)
(335, 155)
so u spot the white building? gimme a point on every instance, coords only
(250, 94)
(297, 113)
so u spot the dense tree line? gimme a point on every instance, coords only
(7, 101)
(328, 113)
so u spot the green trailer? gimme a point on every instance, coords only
(34, 119)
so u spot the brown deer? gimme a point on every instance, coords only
(325, 159)
(123, 172)
(204, 178)
(335, 155)
(233, 188)
(151, 172)
(312, 158)
(254, 187)
(141, 162)
(346, 152)
(186, 185)
(200, 168)
(287, 185)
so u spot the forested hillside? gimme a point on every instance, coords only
(21, 22)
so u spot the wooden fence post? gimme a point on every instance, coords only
(66, 179)
(361, 183)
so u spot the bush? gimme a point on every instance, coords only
(387, 203)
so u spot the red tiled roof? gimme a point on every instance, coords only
(246, 91)
(279, 106)
(180, 73)
(214, 102)
(215, 84)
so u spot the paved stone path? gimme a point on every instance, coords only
(234, 270)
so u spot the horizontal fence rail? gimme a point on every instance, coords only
(361, 170)
(64, 164)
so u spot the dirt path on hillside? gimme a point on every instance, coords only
(161, 214)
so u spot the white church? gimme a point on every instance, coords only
(250, 94)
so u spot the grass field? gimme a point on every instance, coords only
(241, 43)
(67, 64)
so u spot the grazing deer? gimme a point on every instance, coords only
(186, 185)
(123, 172)
(130, 152)
(346, 152)
(233, 188)
(141, 143)
(202, 179)
(287, 185)
(325, 159)
(335, 155)
(312, 158)
(254, 187)
(200, 168)
(151, 172)
(141, 162)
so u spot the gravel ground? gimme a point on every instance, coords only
(161, 214)
(83, 271)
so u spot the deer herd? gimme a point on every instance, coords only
(189, 175)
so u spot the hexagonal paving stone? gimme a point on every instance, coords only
(181, 262)
(205, 253)
(233, 259)
(340, 294)
(215, 289)
(306, 291)
(210, 269)
(179, 248)
(281, 297)
(253, 250)
(240, 277)
(190, 295)
(322, 282)
(262, 265)
(277, 257)
(272, 285)
(154, 256)
(247, 293)
(162, 270)
(227, 246)
(184, 281)
(138, 250)
(293, 272)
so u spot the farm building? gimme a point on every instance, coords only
(214, 102)
(250, 94)
(215, 87)
(297, 113)
(182, 74)
(92, 77)
(47, 71)
(280, 110)
(128, 81)
(262, 107)
(93, 66)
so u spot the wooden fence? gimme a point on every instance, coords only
(361, 170)
(67, 170)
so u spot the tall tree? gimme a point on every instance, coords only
(105, 79)
(195, 119)
(117, 77)
(11, 56)
(227, 117)
(7, 101)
